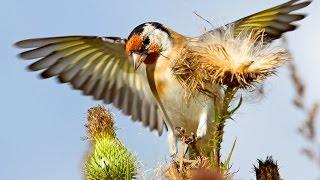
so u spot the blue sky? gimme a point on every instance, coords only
(42, 122)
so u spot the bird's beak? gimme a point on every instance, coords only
(138, 59)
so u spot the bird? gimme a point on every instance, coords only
(134, 74)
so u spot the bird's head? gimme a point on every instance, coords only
(146, 43)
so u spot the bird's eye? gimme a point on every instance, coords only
(145, 44)
(146, 41)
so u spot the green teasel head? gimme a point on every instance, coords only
(109, 159)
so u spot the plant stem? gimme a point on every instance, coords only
(221, 115)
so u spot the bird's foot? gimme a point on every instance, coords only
(180, 132)
(189, 140)
(192, 139)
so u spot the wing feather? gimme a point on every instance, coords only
(83, 76)
(70, 72)
(100, 68)
(275, 21)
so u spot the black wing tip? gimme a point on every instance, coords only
(31, 68)
(24, 55)
(45, 74)
(62, 80)
(306, 3)
(300, 17)
(302, 4)
(19, 44)
(292, 27)
(25, 43)
(20, 56)
(22, 45)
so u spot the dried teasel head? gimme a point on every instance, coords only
(224, 59)
(100, 123)
(267, 169)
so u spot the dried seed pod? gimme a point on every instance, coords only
(100, 123)
(267, 170)
(224, 59)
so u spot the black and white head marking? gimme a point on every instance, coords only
(153, 33)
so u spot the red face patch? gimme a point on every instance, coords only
(134, 43)
(154, 48)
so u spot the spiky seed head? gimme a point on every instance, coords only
(109, 159)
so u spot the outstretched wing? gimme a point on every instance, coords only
(275, 21)
(100, 67)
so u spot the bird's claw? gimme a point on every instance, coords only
(180, 131)
(189, 140)
(192, 139)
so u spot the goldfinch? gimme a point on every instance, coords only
(134, 74)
